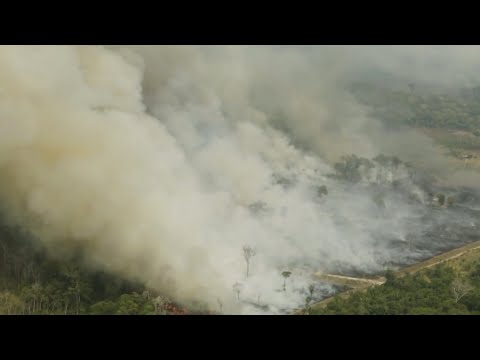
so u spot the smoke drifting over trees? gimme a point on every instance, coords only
(148, 159)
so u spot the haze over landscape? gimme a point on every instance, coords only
(225, 177)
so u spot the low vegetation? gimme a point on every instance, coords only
(447, 289)
(33, 283)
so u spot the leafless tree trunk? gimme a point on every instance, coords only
(237, 287)
(460, 289)
(4, 248)
(248, 253)
(53, 306)
(286, 275)
(78, 302)
(34, 273)
(66, 306)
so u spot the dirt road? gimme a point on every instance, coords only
(364, 284)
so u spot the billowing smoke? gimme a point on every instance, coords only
(161, 163)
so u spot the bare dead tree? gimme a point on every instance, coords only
(307, 308)
(286, 275)
(248, 253)
(308, 300)
(237, 288)
(460, 288)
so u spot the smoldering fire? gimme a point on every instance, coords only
(151, 159)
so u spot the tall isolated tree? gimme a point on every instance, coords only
(248, 253)
(308, 300)
(237, 288)
(286, 275)
(307, 308)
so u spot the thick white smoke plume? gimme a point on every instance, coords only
(159, 163)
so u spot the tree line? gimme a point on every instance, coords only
(441, 290)
(32, 282)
